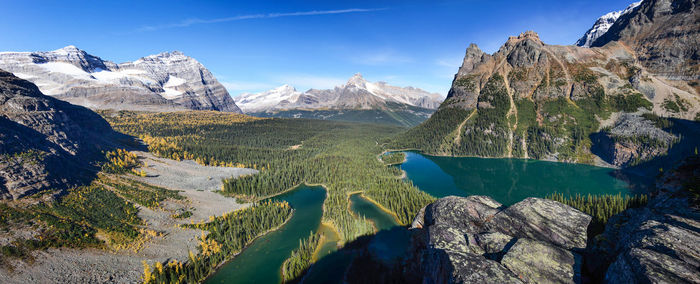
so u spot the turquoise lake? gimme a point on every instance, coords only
(507, 180)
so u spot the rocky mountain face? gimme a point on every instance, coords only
(357, 93)
(477, 240)
(166, 81)
(665, 37)
(358, 100)
(656, 243)
(46, 144)
(602, 25)
(534, 100)
(631, 139)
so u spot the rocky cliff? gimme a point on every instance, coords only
(46, 144)
(166, 81)
(478, 240)
(534, 100)
(657, 243)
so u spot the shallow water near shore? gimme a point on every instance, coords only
(261, 262)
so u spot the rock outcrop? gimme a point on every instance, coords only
(166, 81)
(657, 243)
(632, 139)
(478, 240)
(46, 143)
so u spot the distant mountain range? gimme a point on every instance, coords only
(356, 100)
(166, 81)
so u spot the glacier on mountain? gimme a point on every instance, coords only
(602, 25)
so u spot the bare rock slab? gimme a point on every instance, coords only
(539, 262)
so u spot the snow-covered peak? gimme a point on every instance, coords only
(277, 97)
(602, 25)
(631, 7)
(286, 88)
(164, 57)
(67, 49)
(169, 54)
(357, 80)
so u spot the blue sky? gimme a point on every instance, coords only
(257, 45)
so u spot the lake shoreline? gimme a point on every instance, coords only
(227, 260)
(380, 207)
(600, 164)
(273, 247)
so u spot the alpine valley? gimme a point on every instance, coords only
(543, 164)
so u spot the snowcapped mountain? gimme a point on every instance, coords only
(165, 81)
(276, 98)
(357, 93)
(602, 25)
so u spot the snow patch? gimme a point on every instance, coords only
(66, 68)
(170, 93)
(108, 75)
(132, 71)
(174, 81)
(23, 75)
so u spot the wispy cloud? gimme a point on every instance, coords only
(233, 86)
(307, 81)
(449, 62)
(301, 81)
(382, 58)
(196, 21)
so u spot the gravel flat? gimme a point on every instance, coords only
(196, 182)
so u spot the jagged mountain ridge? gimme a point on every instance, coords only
(523, 60)
(602, 25)
(46, 143)
(165, 81)
(542, 101)
(357, 93)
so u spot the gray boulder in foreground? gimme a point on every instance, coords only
(478, 240)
